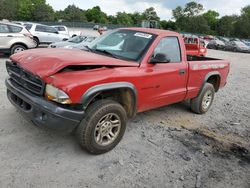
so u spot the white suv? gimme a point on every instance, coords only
(62, 29)
(14, 38)
(44, 34)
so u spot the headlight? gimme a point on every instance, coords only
(57, 95)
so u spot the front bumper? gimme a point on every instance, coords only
(41, 112)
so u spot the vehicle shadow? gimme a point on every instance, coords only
(67, 141)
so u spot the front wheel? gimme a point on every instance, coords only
(204, 100)
(103, 126)
(17, 48)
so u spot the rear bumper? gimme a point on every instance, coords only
(41, 112)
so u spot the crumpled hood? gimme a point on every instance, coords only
(46, 62)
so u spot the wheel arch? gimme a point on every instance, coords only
(213, 78)
(19, 43)
(123, 92)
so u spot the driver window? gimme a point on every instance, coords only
(170, 47)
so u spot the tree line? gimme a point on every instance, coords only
(190, 18)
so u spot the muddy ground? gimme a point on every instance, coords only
(166, 147)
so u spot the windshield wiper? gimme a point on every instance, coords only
(107, 52)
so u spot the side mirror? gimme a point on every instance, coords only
(160, 58)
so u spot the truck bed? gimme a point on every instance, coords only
(200, 58)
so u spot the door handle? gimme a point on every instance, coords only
(182, 71)
(9, 35)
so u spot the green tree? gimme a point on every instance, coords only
(124, 19)
(226, 25)
(96, 15)
(71, 13)
(242, 25)
(150, 14)
(137, 18)
(193, 9)
(178, 13)
(197, 24)
(5, 7)
(189, 19)
(25, 10)
(42, 11)
(212, 18)
(112, 19)
(169, 25)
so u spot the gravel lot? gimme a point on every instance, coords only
(166, 147)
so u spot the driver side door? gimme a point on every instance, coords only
(165, 83)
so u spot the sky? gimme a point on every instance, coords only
(163, 7)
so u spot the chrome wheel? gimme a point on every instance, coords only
(18, 49)
(207, 99)
(107, 129)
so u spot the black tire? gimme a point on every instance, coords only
(86, 132)
(36, 41)
(197, 104)
(17, 48)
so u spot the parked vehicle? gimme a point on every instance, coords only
(224, 39)
(216, 44)
(44, 34)
(62, 29)
(121, 73)
(208, 37)
(14, 38)
(77, 42)
(237, 46)
(96, 27)
(247, 42)
(195, 46)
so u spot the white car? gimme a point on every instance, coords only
(77, 42)
(61, 29)
(14, 38)
(44, 34)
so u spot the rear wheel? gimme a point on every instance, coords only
(36, 40)
(103, 127)
(204, 100)
(17, 48)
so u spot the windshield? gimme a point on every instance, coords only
(77, 39)
(123, 44)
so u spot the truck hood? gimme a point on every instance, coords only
(46, 62)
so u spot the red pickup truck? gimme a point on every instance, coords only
(195, 46)
(94, 91)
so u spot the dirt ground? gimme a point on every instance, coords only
(166, 147)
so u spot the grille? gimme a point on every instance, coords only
(25, 79)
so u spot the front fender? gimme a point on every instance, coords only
(92, 92)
